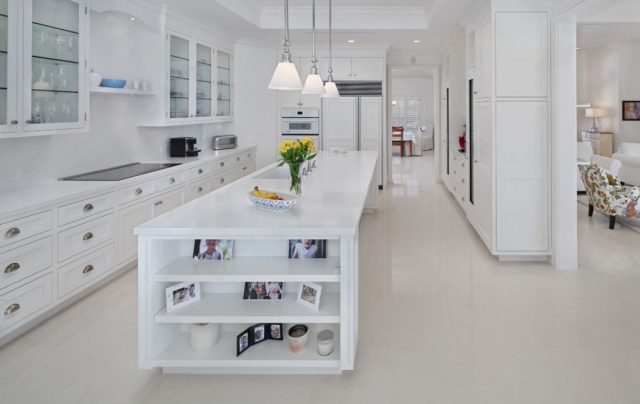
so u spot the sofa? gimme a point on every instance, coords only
(629, 155)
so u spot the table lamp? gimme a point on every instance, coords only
(594, 113)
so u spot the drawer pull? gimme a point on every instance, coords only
(13, 267)
(222, 164)
(200, 171)
(249, 155)
(12, 232)
(237, 158)
(87, 236)
(158, 203)
(200, 189)
(172, 180)
(222, 180)
(244, 168)
(88, 207)
(12, 309)
(139, 191)
(87, 269)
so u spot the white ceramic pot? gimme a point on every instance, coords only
(95, 79)
(298, 335)
(204, 336)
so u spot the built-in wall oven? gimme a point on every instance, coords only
(296, 123)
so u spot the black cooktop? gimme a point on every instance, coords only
(120, 172)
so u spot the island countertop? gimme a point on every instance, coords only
(333, 198)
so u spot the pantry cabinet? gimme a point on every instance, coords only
(43, 67)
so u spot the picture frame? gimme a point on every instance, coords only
(307, 248)
(213, 249)
(631, 110)
(242, 343)
(258, 333)
(263, 290)
(182, 294)
(309, 295)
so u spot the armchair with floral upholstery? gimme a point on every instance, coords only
(607, 195)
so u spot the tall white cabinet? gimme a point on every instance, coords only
(508, 177)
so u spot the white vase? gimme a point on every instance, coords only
(95, 79)
(204, 336)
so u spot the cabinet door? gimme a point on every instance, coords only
(340, 123)
(482, 211)
(55, 37)
(224, 97)
(342, 69)
(204, 82)
(129, 218)
(165, 203)
(371, 69)
(522, 54)
(483, 57)
(371, 130)
(179, 108)
(8, 66)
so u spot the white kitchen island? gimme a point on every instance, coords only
(334, 197)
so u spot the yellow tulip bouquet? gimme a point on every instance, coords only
(295, 153)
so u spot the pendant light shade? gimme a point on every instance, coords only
(330, 88)
(286, 76)
(313, 84)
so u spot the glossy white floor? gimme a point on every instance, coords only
(441, 322)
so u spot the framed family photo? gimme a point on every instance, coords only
(305, 249)
(256, 334)
(631, 110)
(181, 295)
(309, 295)
(213, 249)
(263, 290)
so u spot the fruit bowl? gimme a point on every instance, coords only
(285, 203)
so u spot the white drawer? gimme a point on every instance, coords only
(199, 172)
(85, 208)
(223, 164)
(25, 227)
(78, 239)
(197, 190)
(247, 156)
(21, 262)
(169, 181)
(22, 302)
(86, 269)
(136, 192)
(221, 180)
(169, 201)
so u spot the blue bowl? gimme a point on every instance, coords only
(113, 83)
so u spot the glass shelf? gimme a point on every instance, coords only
(4, 15)
(179, 98)
(54, 59)
(204, 81)
(54, 91)
(179, 78)
(204, 63)
(39, 24)
(224, 68)
(179, 57)
(3, 52)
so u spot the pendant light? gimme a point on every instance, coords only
(314, 84)
(330, 88)
(286, 76)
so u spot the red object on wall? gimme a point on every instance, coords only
(462, 142)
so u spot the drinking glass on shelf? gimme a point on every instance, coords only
(70, 47)
(59, 43)
(52, 111)
(66, 111)
(41, 43)
(36, 111)
(62, 78)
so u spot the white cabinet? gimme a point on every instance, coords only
(78, 239)
(340, 123)
(46, 41)
(21, 262)
(21, 303)
(199, 81)
(481, 212)
(358, 69)
(85, 270)
(522, 54)
(371, 130)
(483, 59)
(342, 69)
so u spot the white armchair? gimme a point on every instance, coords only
(586, 157)
(629, 156)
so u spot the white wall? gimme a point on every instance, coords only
(420, 88)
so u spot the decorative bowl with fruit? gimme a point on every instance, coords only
(272, 201)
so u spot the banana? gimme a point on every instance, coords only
(266, 195)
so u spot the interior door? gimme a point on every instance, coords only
(340, 123)
(371, 129)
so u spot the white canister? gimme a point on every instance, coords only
(298, 335)
(95, 79)
(325, 342)
(204, 336)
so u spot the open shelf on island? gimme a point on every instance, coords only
(232, 309)
(248, 269)
(267, 354)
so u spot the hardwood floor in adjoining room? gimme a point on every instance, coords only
(441, 321)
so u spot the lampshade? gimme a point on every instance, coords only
(331, 90)
(285, 77)
(593, 113)
(313, 85)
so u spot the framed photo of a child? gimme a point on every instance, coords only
(305, 249)
(213, 249)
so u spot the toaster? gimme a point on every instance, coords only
(224, 142)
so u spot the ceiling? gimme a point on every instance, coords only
(392, 23)
(596, 35)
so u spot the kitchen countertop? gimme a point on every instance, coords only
(334, 196)
(43, 194)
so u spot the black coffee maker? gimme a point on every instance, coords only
(183, 147)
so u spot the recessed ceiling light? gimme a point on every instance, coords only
(132, 18)
(416, 41)
(351, 40)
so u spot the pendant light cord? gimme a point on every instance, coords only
(286, 55)
(330, 78)
(314, 60)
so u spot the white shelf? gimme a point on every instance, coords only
(267, 354)
(249, 269)
(232, 309)
(185, 123)
(127, 91)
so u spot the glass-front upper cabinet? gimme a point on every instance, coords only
(55, 65)
(8, 66)
(224, 85)
(179, 78)
(204, 81)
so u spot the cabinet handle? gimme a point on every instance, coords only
(475, 161)
(88, 207)
(249, 155)
(87, 236)
(222, 180)
(13, 267)
(200, 189)
(172, 180)
(222, 164)
(463, 180)
(14, 122)
(200, 171)
(158, 203)
(139, 191)
(12, 232)
(12, 309)
(237, 158)
(87, 269)
(244, 168)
